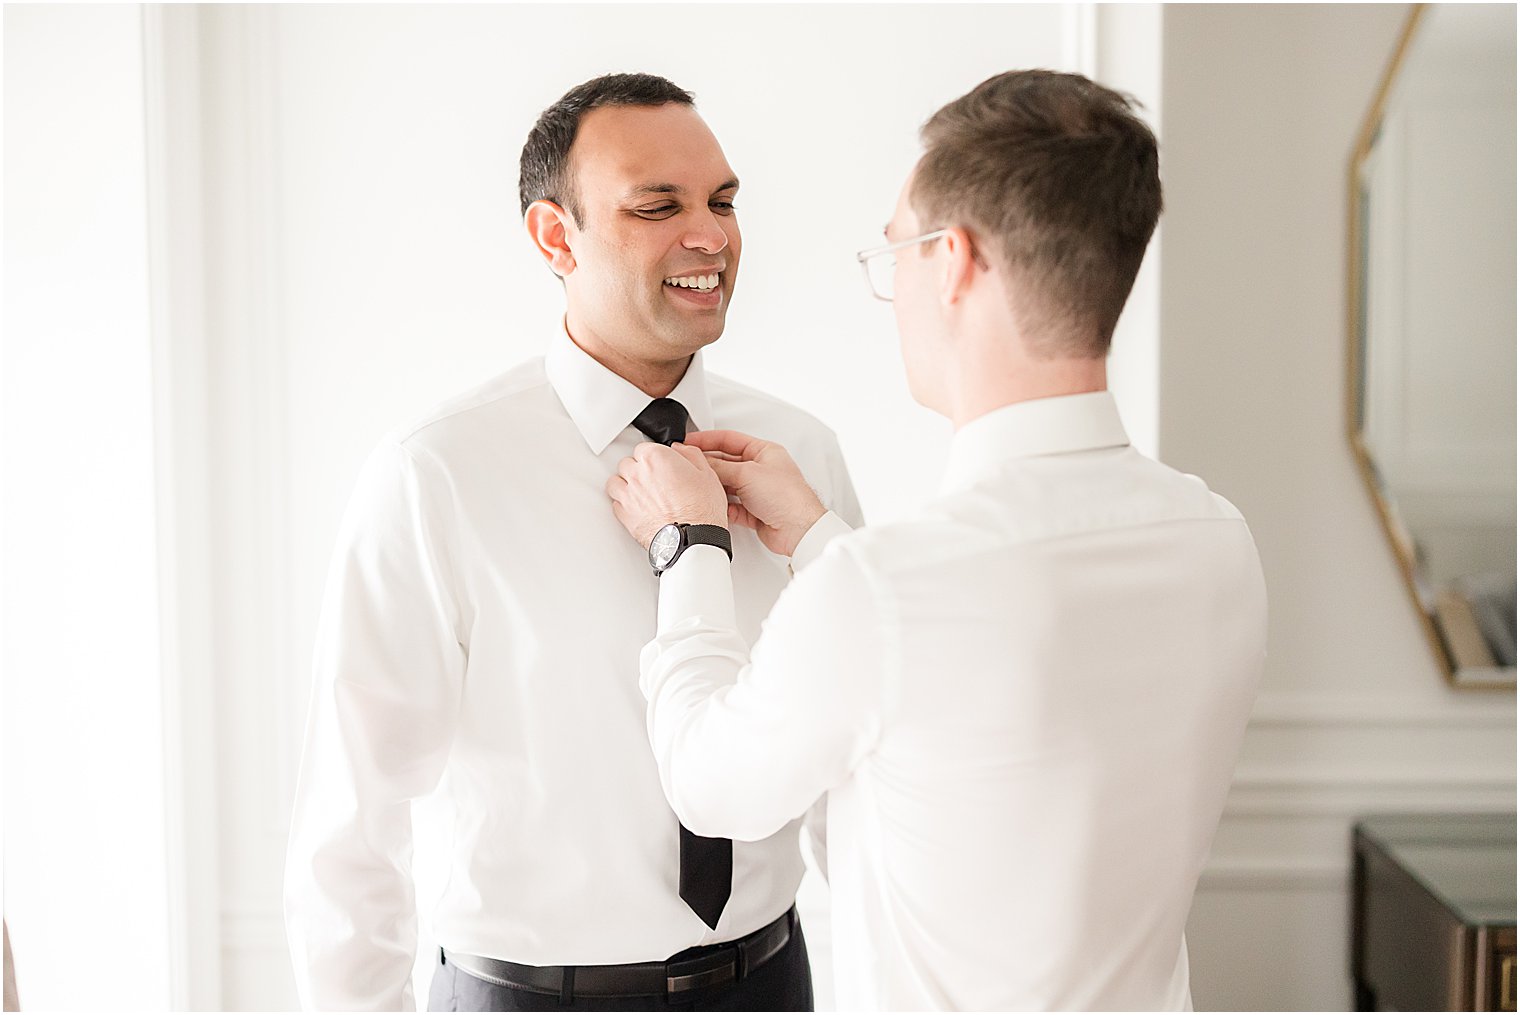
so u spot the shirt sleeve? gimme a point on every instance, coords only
(387, 680)
(817, 539)
(845, 516)
(746, 743)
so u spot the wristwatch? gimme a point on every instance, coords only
(672, 540)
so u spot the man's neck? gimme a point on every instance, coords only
(657, 379)
(987, 386)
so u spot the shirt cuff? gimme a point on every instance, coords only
(811, 546)
(699, 584)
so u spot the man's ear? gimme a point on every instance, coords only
(548, 225)
(961, 265)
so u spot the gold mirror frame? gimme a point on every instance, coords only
(1398, 539)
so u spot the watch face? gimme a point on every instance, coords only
(663, 547)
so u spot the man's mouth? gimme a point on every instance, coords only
(699, 283)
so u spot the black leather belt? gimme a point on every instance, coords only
(707, 966)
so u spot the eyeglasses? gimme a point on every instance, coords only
(880, 263)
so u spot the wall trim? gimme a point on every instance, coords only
(1287, 779)
(268, 205)
(1352, 807)
(1276, 875)
(177, 330)
(1496, 710)
(251, 366)
(1281, 791)
(1079, 38)
(257, 929)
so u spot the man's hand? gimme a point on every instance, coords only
(661, 485)
(774, 498)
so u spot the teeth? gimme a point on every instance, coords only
(701, 283)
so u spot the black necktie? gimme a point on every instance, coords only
(707, 865)
(663, 421)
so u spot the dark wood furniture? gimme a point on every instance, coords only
(1433, 913)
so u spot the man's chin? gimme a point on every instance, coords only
(689, 336)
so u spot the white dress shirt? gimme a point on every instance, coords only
(482, 625)
(1025, 704)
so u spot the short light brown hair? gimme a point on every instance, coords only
(1057, 177)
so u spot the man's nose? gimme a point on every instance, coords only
(706, 234)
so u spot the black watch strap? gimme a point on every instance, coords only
(706, 535)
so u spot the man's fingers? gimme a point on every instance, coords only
(730, 474)
(648, 450)
(731, 442)
(739, 515)
(692, 455)
(615, 486)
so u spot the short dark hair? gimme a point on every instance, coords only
(1059, 176)
(544, 169)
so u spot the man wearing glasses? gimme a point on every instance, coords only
(1025, 703)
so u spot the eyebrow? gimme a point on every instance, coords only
(673, 188)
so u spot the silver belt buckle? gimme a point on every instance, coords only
(675, 984)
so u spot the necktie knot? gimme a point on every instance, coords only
(663, 421)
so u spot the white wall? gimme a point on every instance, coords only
(85, 840)
(1262, 105)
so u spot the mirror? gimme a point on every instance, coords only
(1432, 328)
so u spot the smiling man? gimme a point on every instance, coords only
(484, 617)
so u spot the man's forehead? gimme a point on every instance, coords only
(640, 150)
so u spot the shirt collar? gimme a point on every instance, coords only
(601, 404)
(1042, 426)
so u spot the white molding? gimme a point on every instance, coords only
(176, 250)
(1284, 778)
(254, 930)
(1276, 875)
(1351, 804)
(1079, 38)
(245, 421)
(265, 209)
(1280, 790)
(1488, 709)
(251, 422)
(250, 925)
(1120, 46)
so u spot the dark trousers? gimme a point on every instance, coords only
(785, 983)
